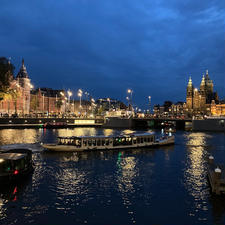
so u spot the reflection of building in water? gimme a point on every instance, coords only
(127, 171)
(195, 171)
(13, 136)
(2, 208)
(77, 132)
(107, 132)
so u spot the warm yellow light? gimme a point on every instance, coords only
(61, 93)
(129, 91)
(69, 93)
(1, 160)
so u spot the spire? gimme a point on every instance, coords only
(207, 75)
(190, 82)
(23, 71)
(203, 80)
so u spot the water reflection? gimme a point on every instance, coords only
(90, 131)
(13, 136)
(108, 132)
(126, 173)
(195, 173)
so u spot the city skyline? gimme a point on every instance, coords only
(106, 47)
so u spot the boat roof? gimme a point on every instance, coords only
(111, 136)
(12, 156)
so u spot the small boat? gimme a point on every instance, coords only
(15, 164)
(170, 130)
(83, 143)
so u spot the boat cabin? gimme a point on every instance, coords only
(14, 162)
(110, 141)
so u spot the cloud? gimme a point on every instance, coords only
(110, 45)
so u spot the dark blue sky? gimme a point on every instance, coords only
(107, 46)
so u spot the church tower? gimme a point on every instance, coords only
(202, 94)
(209, 88)
(24, 82)
(189, 98)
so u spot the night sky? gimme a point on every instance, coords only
(108, 46)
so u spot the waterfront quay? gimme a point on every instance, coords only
(210, 124)
(12, 122)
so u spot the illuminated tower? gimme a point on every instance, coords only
(203, 93)
(24, 82)
(189, 98)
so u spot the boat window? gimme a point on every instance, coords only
(138, 140)
(19, 164)
(89, 142)
(148, 139)
(84, 142)
(98, 142)
(145, 139)
(134, 140)
(94, 142)
(6, 166)
(103, 142)
(141, 140)
(107, 142)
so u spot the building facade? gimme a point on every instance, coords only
(17, 99)
(198, 101)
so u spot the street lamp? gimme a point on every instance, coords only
(149, 98)
(108, 99)
(130, 91)
(80, 93)
(69, 93)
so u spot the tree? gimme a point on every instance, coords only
(6, 76)
(6, 73)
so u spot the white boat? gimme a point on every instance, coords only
(84, 143)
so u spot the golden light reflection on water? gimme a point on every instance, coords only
(107, 132)
(128, 132)
(2, 210)
(69, 180)
(127, 171)
(91, 131)
(13, 136)
(195, 178)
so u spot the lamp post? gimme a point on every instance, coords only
(80, 93)
(149, 99)
(108, 99)
(92, 105)
(69, 93)
(130, 91)
(63, 95)
(86, 102)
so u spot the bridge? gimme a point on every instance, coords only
(179, 123)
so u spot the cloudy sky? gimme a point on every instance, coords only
(108, 46)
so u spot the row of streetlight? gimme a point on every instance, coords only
(80, 94)
(129, 99)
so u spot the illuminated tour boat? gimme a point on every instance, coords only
(83, 143)
(15, 164)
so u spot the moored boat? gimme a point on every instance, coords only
(15, 164)
(83, 143)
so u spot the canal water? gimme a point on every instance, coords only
(162, 186)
